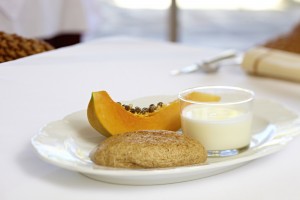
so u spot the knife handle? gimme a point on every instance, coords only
(222, 56)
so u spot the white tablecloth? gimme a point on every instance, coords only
(48, 86)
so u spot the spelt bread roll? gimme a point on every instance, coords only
(289, 42)
(13, 46)
(149, 149)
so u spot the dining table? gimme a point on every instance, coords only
(45, 88)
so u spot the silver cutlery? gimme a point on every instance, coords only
(209, 65)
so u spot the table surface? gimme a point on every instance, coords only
(46, 87)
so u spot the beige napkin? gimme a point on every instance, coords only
(273, 63)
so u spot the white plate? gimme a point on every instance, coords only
(67, 143)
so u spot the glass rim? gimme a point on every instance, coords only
(250, 92)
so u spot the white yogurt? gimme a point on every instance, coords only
(217, 128)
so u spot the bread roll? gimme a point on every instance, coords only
(149, 149)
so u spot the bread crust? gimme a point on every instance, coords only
(149, 149)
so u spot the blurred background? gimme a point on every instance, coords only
(222, 24)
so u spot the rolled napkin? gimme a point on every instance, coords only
(272, 63)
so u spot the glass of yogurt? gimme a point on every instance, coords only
(219, 117)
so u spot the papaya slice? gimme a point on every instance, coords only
(110, 118)
(202, 97)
